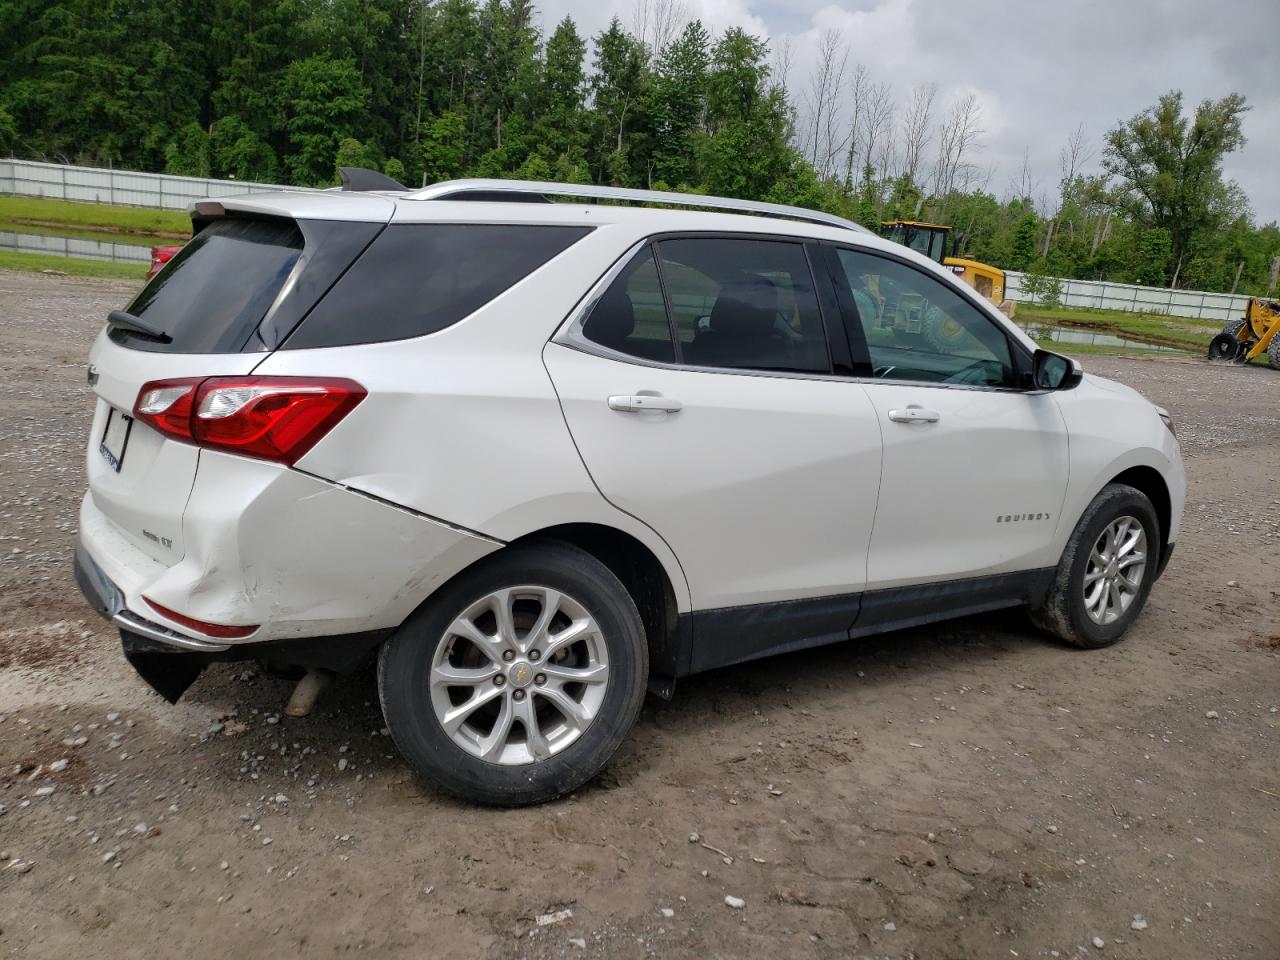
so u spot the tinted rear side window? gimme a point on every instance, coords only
(212, 296)
(416, 279)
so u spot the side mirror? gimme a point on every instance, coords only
(1052, 371)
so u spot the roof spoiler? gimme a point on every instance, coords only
(360, 179)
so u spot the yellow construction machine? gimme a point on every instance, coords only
(1252, 335)
(934, 241)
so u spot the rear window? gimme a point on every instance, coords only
(212, 296)
(416, 279)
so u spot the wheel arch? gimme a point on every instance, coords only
(657, 594)
(1150, 482)
(650, 586)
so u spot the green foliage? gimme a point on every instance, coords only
(1040, 288)
(618, 87)
(1022, 247)
(394, 169)
(238, 152)
(322, 99)
(187, 154)
(1170, 172)
(442, 147)
(1151, 256)
(353, 153)
(8, 132)
(272, 90)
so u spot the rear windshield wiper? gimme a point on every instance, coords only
(127, 321)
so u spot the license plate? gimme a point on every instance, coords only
(115, 437)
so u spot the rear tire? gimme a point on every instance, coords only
(558, 681)
(1099, 587)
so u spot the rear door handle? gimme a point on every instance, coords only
(914, 413)
(642, 402)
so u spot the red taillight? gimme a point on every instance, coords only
(271, 418)
(218, 630)
(167, 405)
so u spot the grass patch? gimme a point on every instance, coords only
(102, 236)
(1100, 349)
(71, 214)
(1188, 332)
(1091, 315)
(72, 266)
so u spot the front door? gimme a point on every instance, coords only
(975, 469)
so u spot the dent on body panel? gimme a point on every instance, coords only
(292, 550)
(351, 558)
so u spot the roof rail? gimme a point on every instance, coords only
(526, 190)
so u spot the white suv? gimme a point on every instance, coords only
(543, 455)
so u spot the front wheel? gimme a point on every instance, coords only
(1106, 571)
(520, 680)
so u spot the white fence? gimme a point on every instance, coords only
(26, 178)
(1102, 295)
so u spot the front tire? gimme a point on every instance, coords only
(1102, 581)
(519, 681)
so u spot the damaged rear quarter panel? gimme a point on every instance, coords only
(303, 556)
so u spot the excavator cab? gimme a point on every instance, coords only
(931, 239)
(935, 242)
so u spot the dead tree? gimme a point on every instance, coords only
(658, 22)
(915, 129)
(858, 89)
(826, 86)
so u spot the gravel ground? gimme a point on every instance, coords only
(964, 791)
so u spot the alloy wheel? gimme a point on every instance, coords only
(1115, 570)
(519, 675)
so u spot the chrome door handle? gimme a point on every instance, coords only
(914, 413)
(642, 402)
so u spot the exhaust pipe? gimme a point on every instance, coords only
(303, 699)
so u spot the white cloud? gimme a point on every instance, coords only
(1038, 69)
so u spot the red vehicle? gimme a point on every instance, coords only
(160, 256)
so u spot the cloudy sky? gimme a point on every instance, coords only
(1038, 68)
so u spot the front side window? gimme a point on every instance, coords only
(742, 303)
(918, 328)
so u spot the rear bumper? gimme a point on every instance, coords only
(170, 662)
(261, 544)
(325, 572)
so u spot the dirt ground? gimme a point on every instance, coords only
(964, 791)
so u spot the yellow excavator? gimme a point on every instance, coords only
(911, 316)
(934, 241)
(1252, 335)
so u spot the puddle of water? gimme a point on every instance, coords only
(1038, 330)
(77, 247)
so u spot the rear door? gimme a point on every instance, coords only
(701, 392)
(208, 301)
(975, 468)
